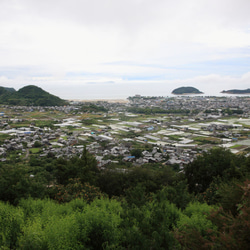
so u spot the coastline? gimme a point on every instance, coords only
(100, 100)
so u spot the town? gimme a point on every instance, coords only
(142, 130)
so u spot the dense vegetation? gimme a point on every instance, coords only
(90, 107)
(156, 110)
(186, 90)
(236, 91)
(50, 203)
(29, 95)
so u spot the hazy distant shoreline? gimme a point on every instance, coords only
(125, 100)
(100, 100)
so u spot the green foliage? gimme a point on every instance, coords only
(147, 177)
(108, 224)
(93, 108)
(217, 162)
(30, 95)
(137, 195)
(230, 195)
(116, 183)
(100, 223)
(84, 168)
(156, 110)
(112, 182)
(33, 236)
(152, 210)
(88, 121)
(4, 90)
(75, 189)
(62, 232)
(33, 207)
(149, 226)
(74, 225)
(194, 226)
(176, 194)
(49, 225)
(3, 137)
(136, 152)
(227, 231)
(237, 91)
(16, 183)
(186, 90)
(45, 123)
(196, 221)
(232, 111)
(11, 222)
(37, 144)
(211, 195)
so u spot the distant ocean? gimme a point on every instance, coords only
(121, 91)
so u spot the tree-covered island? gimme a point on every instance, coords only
(186, 91)
(236, 91)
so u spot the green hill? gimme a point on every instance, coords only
(186, 90)
(236, 91)
(29, 95)
(5, 90)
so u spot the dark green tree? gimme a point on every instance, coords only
(84, 168)
(217, 162)
(17, 182)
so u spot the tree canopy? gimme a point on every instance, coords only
(29, 95)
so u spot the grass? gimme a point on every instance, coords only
(174, 137)
(4, 137)
(237, 146)
(204, 140)
(35, 150)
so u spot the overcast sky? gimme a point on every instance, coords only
(84, 49)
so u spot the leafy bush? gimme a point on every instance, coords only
(75, 189)
(195, 217)
(99, 224)
(75, 225)
(11, 222)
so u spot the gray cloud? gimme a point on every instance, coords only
(157, 37)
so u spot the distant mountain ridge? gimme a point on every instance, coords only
(236, 91)
(29, 95)
(186, 90)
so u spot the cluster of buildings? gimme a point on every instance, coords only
(166, 138)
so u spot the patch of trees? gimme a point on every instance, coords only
(93, 108)
(29, 95)
(236, 91)
(232, 111)
(50, 203)
(186, 90)
(156, 110)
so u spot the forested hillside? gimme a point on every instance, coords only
(50, 203)
(29, 95)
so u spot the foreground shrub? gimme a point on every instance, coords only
(11, 222)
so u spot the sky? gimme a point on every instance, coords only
(112, 49)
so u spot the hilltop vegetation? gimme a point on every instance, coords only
(186, 90)
(5, 90)
(236, 91)
(29, 95)
(51, 203)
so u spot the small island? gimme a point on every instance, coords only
(186, 91)
(236, 91)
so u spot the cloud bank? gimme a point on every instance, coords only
(114, 47)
